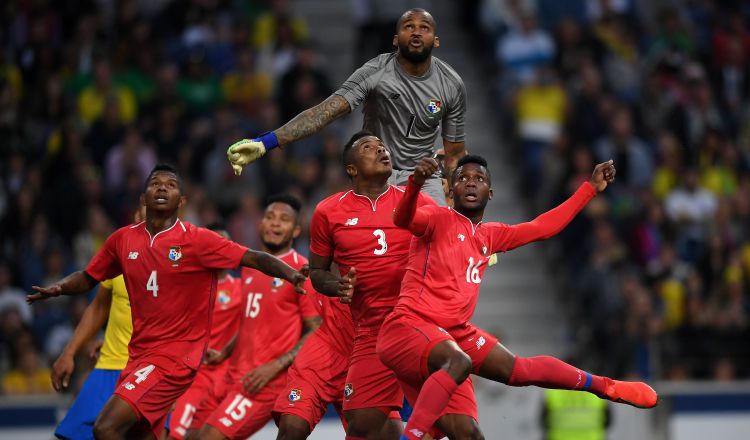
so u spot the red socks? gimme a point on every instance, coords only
(549, 372)
(433, 398)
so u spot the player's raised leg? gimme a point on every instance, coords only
(548, 372)
(449, 366)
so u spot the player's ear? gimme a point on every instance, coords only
(351, 171)
(437, 42)
(394, 42)
(183, 201)
(297, 231)
(491, 193)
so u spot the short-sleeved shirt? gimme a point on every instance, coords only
(271, 317)
(226, 317)
(171, 282)
(114, 352)
(406, 111)
(359, 232)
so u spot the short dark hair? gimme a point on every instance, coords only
(470, 158)
(412, 11)
(287, 199)
(346, 155)
(164, 168)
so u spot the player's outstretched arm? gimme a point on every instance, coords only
(406, 215)
(273, 267)
(77, 282)
(305, 124)
(555, 220)
(93, 319)
(329, 283)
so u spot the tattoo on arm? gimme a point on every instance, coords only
(313, 119)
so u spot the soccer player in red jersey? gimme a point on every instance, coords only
(275, 321)
(318, 376)
(170, 269)
(224, 324)
(428, 339)
(355, 230)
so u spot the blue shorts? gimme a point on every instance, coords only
(79, 421)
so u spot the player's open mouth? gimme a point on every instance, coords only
(415, 42)
(471, 197)
(385, 160)
(160, 199)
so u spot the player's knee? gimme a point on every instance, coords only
(459, 366)
(292, 432)
(105, 430)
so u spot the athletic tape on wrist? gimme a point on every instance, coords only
(269, 139)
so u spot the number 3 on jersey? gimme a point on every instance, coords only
(151, 285)
(383, 245)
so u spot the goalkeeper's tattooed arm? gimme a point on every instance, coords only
(313, 120)
(309, 122)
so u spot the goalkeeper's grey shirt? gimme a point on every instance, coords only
(406, 111)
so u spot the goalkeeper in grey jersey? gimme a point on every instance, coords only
(407, 98)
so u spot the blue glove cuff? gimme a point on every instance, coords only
(269, 139)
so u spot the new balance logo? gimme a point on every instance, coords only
(133, 256)
(480, 342)
(417, 433)
(351, 222)
(129, 386)
(461, 237)
(226, 422)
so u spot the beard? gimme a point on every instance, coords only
(276, 247)
(414, 57)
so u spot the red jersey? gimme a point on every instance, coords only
(226, 317)
(171, 283)
(359, 232)
(270, 317)
(447, 262)
(337, 329)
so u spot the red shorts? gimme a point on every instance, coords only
(405, 342)
(184, 414)
(240, 415)
(315, 379)
(150, 384)
(369, 383)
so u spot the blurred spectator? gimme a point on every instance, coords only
(29, 376)
(12, 298)
(690, 208)
(541, 107)
(132, 155)
(93, 98)
(244, 86)
(524, 49)
(303, 85)
(631, 154)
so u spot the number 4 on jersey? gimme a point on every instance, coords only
(152, 286)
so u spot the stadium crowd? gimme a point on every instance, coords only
(93, 94)
(658, 271)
